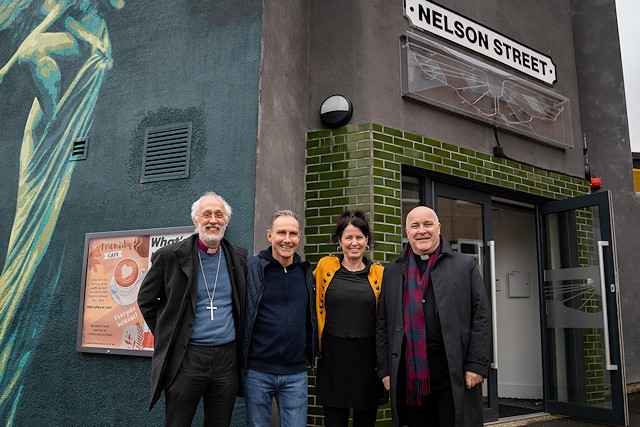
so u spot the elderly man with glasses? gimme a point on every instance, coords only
(193, 300)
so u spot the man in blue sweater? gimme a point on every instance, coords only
(280, 331)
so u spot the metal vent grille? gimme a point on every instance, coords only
(166, 152)
(79, 150)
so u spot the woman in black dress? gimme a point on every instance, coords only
(347, 293)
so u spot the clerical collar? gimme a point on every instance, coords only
(207, 250)
(426, 257)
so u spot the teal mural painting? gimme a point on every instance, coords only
(76, 33)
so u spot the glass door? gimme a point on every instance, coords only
(583, 364)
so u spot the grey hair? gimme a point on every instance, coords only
(195, 207)
(283, 212)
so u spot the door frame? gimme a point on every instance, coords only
(483, 198)
(618, 414)
(433, 184)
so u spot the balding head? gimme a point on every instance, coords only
(423, 230)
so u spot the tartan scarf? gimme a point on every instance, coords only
(415, 328)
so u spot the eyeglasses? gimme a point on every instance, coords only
(209, 215)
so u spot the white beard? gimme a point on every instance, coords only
(211, 240)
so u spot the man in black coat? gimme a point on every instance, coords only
(193, 300)
(433, 334)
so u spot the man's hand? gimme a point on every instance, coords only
(471, 379)
(386, 382)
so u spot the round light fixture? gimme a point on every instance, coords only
(336, 111)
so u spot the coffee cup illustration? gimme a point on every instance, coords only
(127, 276)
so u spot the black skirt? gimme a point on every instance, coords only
(347, 374)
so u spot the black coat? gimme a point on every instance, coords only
(464, 312)
(167, 299)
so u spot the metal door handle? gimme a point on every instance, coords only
(494, 313)
(605, 317)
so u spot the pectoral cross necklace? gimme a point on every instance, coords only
(210, 307)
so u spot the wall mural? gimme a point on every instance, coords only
(47, 33)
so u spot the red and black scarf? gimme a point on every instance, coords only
(415, 329)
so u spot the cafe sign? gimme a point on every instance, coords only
(448, 25)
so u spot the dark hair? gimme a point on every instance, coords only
(358, 219)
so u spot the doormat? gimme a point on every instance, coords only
(505, 411)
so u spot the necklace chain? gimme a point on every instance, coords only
(206, 286)
(357, 268)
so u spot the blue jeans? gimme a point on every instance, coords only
(291, 394)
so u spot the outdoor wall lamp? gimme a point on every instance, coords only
(336, 111)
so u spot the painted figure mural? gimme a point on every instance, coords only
(47, 34)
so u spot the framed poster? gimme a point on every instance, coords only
(114, 265)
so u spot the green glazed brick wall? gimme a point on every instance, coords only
(359, 167)
(591, 302)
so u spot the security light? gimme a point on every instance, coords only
(336, 111)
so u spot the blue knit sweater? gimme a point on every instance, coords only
(280, 327)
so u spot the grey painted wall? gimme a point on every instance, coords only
(604, 119)
(280, 165)
(354, 50)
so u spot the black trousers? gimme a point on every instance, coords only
(436, 410)
(339, 417)
(208, 373)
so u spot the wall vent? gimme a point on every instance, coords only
(166, 152)
(79, 150)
